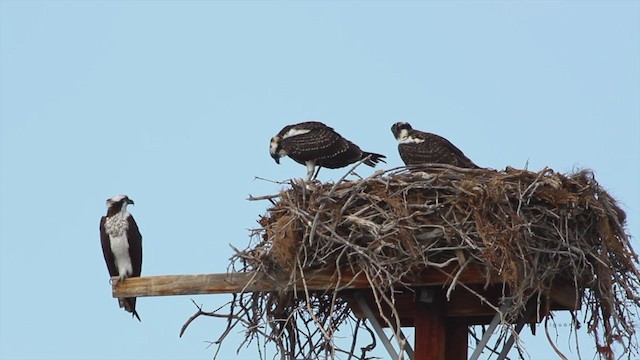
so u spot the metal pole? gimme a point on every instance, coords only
(376, 326)
(492, 328)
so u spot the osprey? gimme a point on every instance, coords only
(417, 147)
(314, 144)
(121, 245)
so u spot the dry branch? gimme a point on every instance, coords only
(532, 229)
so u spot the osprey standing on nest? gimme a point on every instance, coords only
(417, 147)
(314, 144)
(121, 245)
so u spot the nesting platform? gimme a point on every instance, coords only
(437, 247)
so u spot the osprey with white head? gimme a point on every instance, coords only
(121, 245)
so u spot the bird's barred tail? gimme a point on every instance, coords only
(129, 305)
(373, 158)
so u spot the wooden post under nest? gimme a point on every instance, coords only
(430, 326)
(441, 326)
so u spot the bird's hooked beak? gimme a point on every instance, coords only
(129, 201)
(273, 149)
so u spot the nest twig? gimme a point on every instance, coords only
(531, 228)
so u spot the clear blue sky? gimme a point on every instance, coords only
(173, 103)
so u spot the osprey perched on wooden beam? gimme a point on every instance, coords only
(313, 143)
(121, 245)
(417, 147)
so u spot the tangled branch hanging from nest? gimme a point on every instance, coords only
(531, 228)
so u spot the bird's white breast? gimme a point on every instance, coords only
(116, 227)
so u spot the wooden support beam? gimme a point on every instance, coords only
(456, 339)
(168, 285)
(463, 304)
(566, 296)
(430, 329)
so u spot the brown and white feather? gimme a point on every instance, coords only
(315, 143)
(418, 147)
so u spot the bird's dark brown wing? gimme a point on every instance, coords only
(434, 149)
(135, 253)
(106, 249)
(135, 246)
(321, 142)
(342, 153)
(323, 145)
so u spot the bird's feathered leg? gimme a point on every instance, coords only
(317, 172)
(116, 279)
(120, 278)
(311, 167)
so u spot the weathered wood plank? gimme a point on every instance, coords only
(218, 284)
(168, 285)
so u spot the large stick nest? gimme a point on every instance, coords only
(533, 229)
